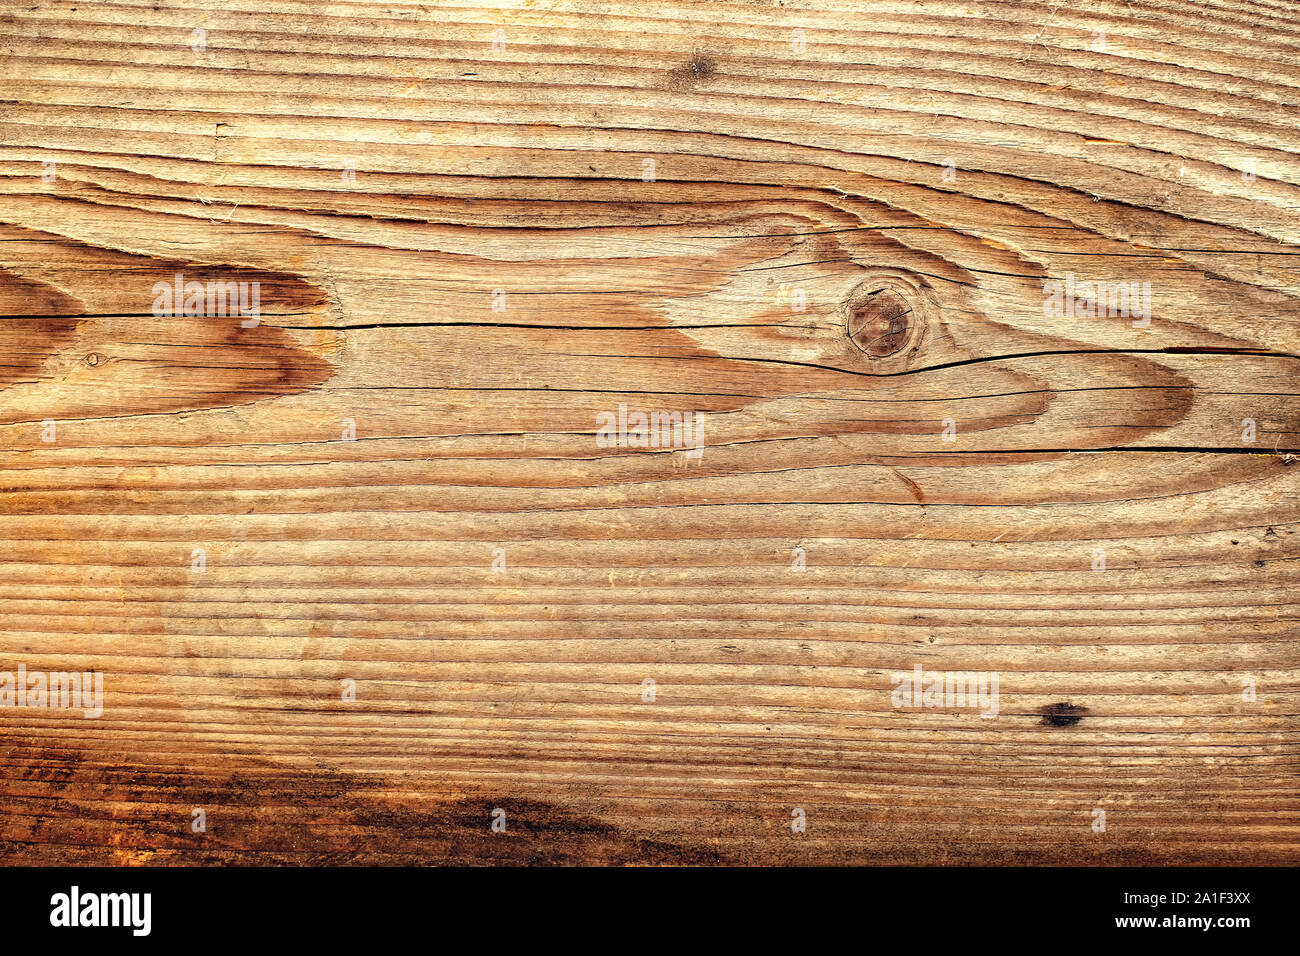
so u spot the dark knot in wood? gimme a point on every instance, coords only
(882, 323)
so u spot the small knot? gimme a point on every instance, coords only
(881, 324)
(887, 314)
(1062, 715)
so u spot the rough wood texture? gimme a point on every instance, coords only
(831, 230)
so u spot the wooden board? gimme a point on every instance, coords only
(827, 234)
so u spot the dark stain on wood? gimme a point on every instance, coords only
(701, 68)
(127, 813)
(1063, 715)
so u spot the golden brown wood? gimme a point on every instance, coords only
(823, 233)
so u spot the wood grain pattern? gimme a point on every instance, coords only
(827, 230)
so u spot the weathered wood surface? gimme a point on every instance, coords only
(463, 252)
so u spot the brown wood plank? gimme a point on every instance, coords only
(827, 234)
